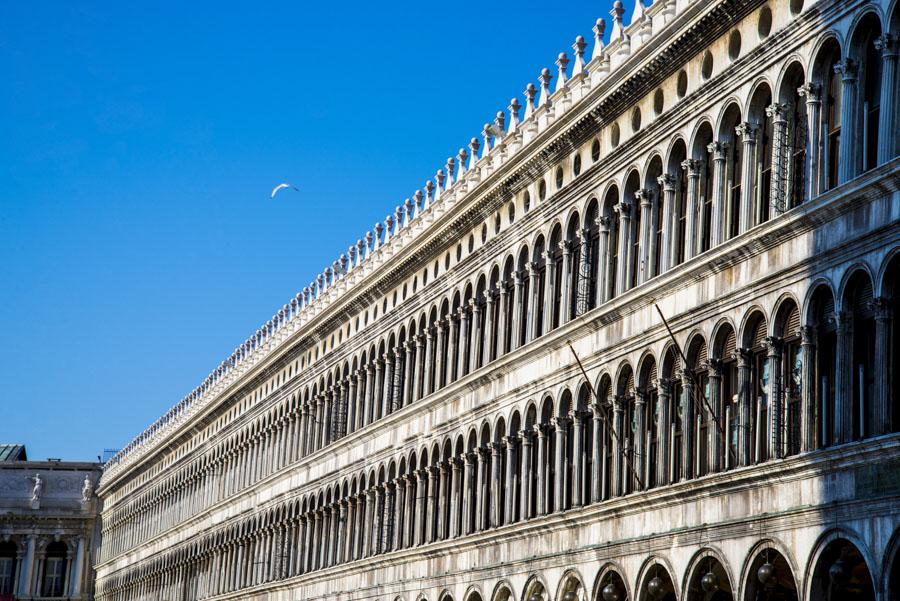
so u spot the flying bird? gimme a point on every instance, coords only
(282, 186)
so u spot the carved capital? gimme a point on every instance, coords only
(666, 181)
(848, 69)
(747, 132)
(717, 150)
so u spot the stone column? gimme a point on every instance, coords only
(549, 289)
(489, 334)
(439, 355)
(663, 431)
(531, 321)
(476, 336)
(516, 328)
(714, 428)
(622, 273)
(561, 431)
(687, 427)
(368, 535)
(843, 428)
(719, 210)
(454, 496)
(566, 297)
(433, 509)
(418, 378)
(604, 286)
(410, 523)
(373, 371)
(883, 368)
(453, 349)
(409, 362)
(396, 394)
(887, 125)
(443, 494)
(422, 512)
(496, 483)
(350, 531)
(367, 396)
(527, 436)
(640, 438)
(389, 521)
(747, 132)
(850, 155)
(27, 575)
(744, 441)
(597, 456)
(812, 92)
(669, 232)
(644, 198)
(583, 276)
(429, 383)
(463, 341)
(379, 526)
(776, 409)
(577, 465)
(78, 568)
(509, 443)
(541, 470)
(618, 441)
(781, 161)
(468, 490)
(387, 399)
(808, 411)
(354, 404)
(502, 319)
(481, 515)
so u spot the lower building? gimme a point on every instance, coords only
(48, 527)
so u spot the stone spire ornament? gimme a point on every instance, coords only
(599, 30)
(429, 194)
(378, 229)
(579, 47)
(486, 134)
(388, 228)
(514, 108)
(473, 158)
(530, 93)
(499, 123)
(417, 197)
(408, 212)
(398, 219)
(351, 253)
(462, 156)
(562, 62)
(618, 30)
(451, 167)
(545, 77)
(439, 187)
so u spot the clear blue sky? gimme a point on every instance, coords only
(139, 143)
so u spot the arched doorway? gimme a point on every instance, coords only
(657, 585)
(770, 578)
(841, 574)
(709, 580)
(611, 587)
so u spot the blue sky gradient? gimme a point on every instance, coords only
(140, 142)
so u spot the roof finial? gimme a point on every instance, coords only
(451, 167)
(578, 47)
(545, 78)
(562, 62)
(618, 30)
(530, 93)
(599, 30)
(439, 187)
(462, 156)
(514, 108)
(474, 145)
(418, 200)
(429, 194)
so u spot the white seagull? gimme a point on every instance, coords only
(282, 186)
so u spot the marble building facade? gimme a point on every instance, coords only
(635, 341)
(49, 527)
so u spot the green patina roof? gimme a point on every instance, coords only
(13, 452)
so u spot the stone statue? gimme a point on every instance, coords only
(37, 491)
(87, 490)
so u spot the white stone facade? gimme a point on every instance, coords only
(481, 400)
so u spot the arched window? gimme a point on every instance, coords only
(858, 306)
(787, 331)
(867, 58)
(755, 343)
(832, 91)
(732, 169)
(761, 177)
(55, 564)
(649, 397)
(823, 323)
(7, 567)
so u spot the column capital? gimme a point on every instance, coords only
(812, 91)
(887, 43)
(773, 344)
(848, 69)
(807, 335)
(560, 422)
(509, 440)
(604, 221)
(778, 112)
(882, 307)
(644, 197)
(715, 367)
(747, 132)
(666, 182)
(717, 150)
(565, 246)
(623, 207)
